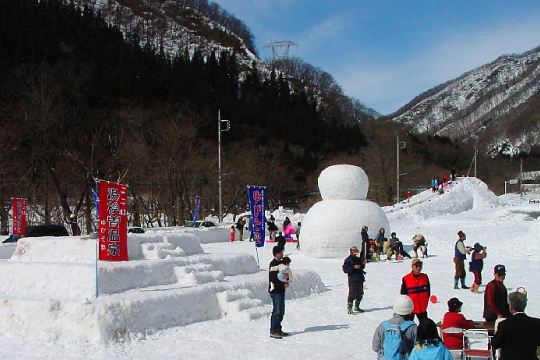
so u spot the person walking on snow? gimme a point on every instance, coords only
(416, 286)
(460, 254)
(402, 318)
(240, 226)
(277, 293)
(476, 265)
(353, 266)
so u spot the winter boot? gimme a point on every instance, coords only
(474, 288)
(463, 286)
(456, 283)
(350, 310)
(357, 306)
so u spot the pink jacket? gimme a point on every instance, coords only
(289, 230)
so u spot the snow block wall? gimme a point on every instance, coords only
(47, 292)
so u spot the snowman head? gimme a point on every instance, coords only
(343, 182)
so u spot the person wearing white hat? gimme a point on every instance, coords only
(402, 322)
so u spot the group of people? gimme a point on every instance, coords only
(237, 230)
(372, 249)
(437, 185)
(400, 337)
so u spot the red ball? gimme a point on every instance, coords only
(433, 299)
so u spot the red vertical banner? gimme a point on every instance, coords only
(19, 216)
(112, 224)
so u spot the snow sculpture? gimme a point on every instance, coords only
(333, 225)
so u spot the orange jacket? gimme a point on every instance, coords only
(418, 289)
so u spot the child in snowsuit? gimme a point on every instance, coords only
(233, 233)
(284, 271)
(476, 265)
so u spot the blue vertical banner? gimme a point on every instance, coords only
(197, 206)
(257, 197)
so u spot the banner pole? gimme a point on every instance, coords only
(257, 252)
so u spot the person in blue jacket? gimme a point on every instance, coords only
(429, 345)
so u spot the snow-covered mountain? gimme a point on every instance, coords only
(493, 104)
(170, 26)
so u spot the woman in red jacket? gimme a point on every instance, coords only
(453, 319)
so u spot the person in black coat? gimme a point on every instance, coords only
(519, 335)
(277, 293)
(353, 266)
(281, 241)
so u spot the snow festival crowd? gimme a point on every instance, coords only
(509, 333)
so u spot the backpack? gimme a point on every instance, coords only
(394, 346)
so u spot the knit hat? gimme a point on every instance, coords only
(454, 304)
(499, 269)
(477, 247)
(353, 249)
(403, 305)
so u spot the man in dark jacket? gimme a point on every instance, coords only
(277, 293)
(519, 335)
(495, 302)
(353, 266)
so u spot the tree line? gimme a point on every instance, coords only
(80, 101)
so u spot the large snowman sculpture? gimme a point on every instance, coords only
(333, 225)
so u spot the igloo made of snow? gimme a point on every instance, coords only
(346, 182)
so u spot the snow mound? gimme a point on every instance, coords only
(462, 195)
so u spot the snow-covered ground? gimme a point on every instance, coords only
(319, 325)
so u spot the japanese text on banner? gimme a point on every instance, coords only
(256, 197)
(19, 216)
(112, 229)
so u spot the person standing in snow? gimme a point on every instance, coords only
(495, 297)
(416, 286)
(429, 345)
(476, 265)
(281, 241)
(240, 226)
(272, 229)
(353, 266)
(365, 243)
(518, 336)
(460, 254)
(403, 307)
(277, 288)
(286, 223)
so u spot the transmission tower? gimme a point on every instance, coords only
(284, 46)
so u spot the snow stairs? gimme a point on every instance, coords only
(172, 283)
(241, 305)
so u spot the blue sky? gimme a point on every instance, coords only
(384, 53)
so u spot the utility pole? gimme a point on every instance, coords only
(220, 175)
(520, 177)
(475, 156)
(400, 145)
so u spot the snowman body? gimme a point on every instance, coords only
(333, 225)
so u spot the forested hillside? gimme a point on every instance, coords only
(82, 99)
(79, 101)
